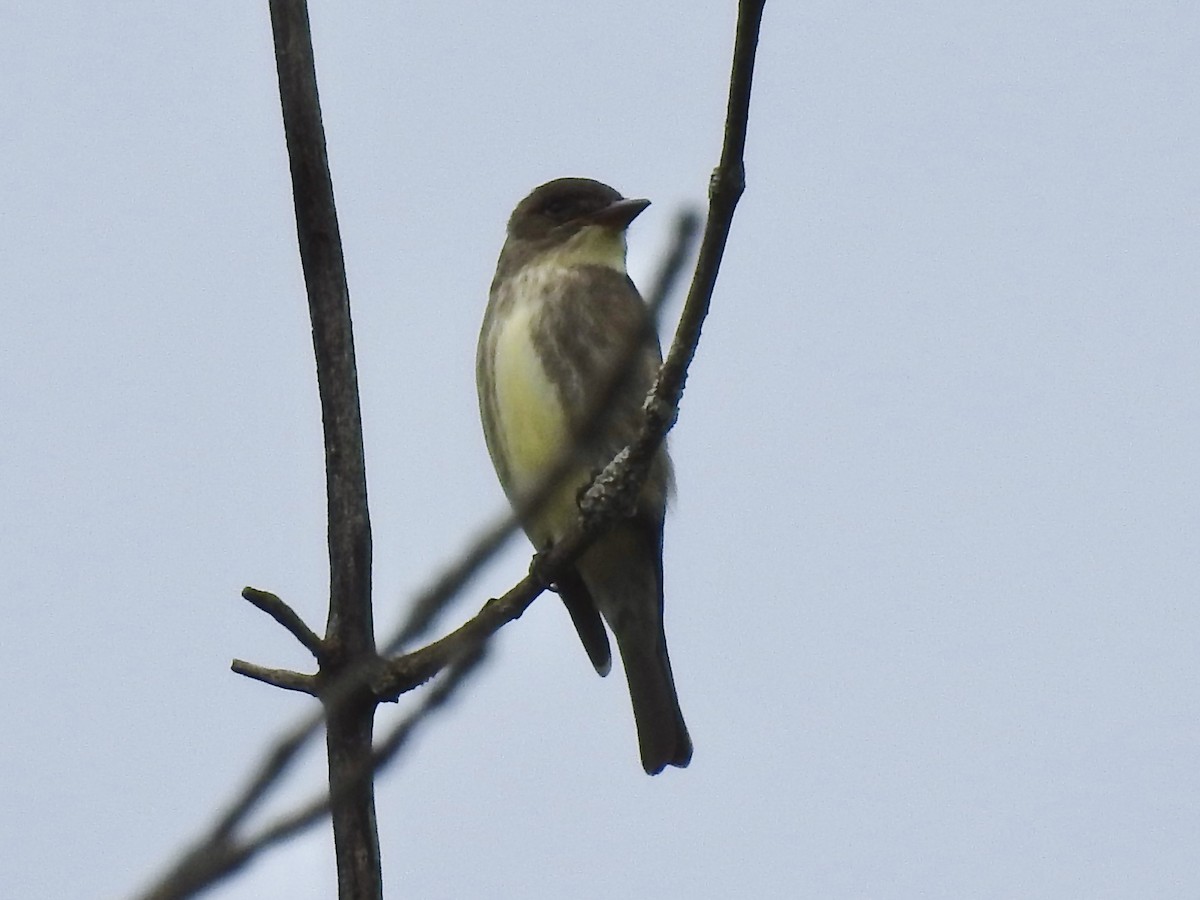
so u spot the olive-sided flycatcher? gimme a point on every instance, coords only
(561, 316)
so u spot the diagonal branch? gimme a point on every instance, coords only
(670, 267)
(222, 854)
(725, 189)
(274, 607)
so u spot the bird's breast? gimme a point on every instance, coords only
(533, 426)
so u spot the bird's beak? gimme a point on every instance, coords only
(619, 214)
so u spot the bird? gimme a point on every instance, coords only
(562, 315)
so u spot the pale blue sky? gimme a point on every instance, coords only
(932, 576)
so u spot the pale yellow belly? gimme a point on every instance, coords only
(532, 425)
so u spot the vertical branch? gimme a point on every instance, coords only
(349, 635)
(329, 306)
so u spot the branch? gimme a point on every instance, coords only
(670, 268)
(394, 741)
(287, 617)
(221, 854)
(404, 673)
(333, 340)
(725, 189)
(350, 629)
(280, 678)
(218, 853)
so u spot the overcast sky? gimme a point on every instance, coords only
(932, 576)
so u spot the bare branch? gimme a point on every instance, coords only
(620, 481)
(350, 630)
(406, 672)
(280, 678)
(450, 581)
(393, 742)
(287, 617)
(217, 854)
(198, 869)
(725, 189)
(276, 762)
(333, 340)
(221, 855)
(683, 237)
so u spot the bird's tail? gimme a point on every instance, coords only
(623, 573)
(662, 735)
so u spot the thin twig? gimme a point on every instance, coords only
(670, 267)
(280, 678)
(274, 607)
(222, 855)
(406, 672)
